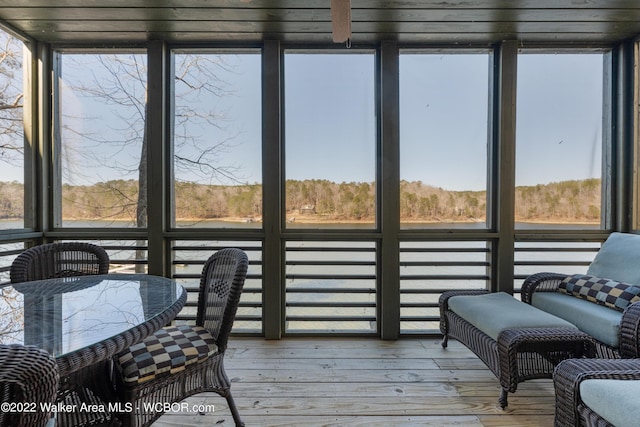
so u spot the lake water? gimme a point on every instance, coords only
(313, 250)
(18, 224)
(303, 275)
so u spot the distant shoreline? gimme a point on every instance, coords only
(309, 219)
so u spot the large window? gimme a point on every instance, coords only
(559, 140)
(217, 140)
(99, 139)
(443, 139)
(12, 135)
(332, 260)
(330, 139)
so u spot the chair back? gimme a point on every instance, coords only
(221, 283)
(65, 259)
(618, 259)
(28, 375)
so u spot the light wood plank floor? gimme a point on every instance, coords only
(364, 382)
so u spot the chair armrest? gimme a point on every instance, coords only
(443, 303)
(630, 332)
(568, 375)
(540, 282)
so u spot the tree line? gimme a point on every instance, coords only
(566, 201)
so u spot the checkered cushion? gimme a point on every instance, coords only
(168, 351)
(610, 293)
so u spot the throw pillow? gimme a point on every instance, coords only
(607, 292)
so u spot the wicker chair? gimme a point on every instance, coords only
(571, 411)
(28, 375)
(59, 260)
(154, 371)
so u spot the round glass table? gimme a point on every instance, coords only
(83, 320)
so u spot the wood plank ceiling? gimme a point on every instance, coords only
(431, 22)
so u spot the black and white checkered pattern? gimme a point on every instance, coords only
(610, 293)
(167, 351)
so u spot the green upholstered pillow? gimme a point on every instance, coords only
(607, 292)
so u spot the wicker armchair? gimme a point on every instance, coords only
(179, 361)
(629, 335)
(59, 260)
(28, 375)
(571, 411)
(617, 260)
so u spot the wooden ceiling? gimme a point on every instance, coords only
(431, 22)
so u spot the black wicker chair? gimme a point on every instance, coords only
(570, 410)
(64, 259)
(153, 371)
(28, 376)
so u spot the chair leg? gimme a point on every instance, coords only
(502, 400)
(234, 409)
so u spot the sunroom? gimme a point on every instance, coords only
(366, 161)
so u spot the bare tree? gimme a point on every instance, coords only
(115, 86)
(11, 100)
(118, 82)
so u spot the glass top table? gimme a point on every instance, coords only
(87, 319)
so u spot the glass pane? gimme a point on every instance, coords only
(443, 139)
(102, 107)
(330, 139)
(12, 142)
(559, 140)
(218, 140)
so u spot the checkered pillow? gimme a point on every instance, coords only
(610, 293)
(169, 350)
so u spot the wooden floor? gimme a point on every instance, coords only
(363, 382)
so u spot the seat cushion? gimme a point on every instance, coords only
(614, 400)
(618, 259)
(495, 312)
(601, 322)
(169, 350)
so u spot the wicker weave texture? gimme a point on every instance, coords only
(629, 325)
(28, 375)
(519, 354)
(64, 259)
(570, 411)
(221, 284)
(588, 418)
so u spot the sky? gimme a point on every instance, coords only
(330, 117)
(443, 120)
(330, 120)
(559, 118)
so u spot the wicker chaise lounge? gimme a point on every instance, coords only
(602, 306)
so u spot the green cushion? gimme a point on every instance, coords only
(607, 292)
(614, 400)
(601, 322)
(169, 350)
(495, 312)
(618, 259)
